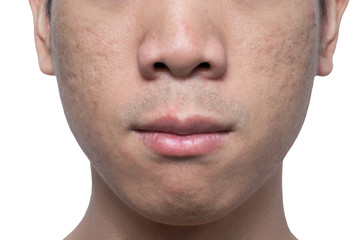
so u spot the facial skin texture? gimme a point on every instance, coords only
(262, 57)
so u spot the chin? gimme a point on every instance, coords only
(187, 206)
(191, 215)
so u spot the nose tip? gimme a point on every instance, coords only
(182, 60)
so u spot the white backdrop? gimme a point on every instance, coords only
(45, 178)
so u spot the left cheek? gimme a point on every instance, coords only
(280, 88)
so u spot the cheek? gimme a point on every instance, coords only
(287, 66)
(285, 69)
(272, 68)
(91, 64)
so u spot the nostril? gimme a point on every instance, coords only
(178, 71)
(159, 65)
(203, 65)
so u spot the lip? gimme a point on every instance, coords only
(194, 136)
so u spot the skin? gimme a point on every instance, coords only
(263, 56)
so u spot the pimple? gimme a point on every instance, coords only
(174, 191)
(185, 25)
(87, 30)
(172, 110)
(112, 42)
(313, 12)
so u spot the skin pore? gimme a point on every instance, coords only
(247, 65)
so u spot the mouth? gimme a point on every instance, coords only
(195, 136)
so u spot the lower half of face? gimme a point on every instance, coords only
(185, 109)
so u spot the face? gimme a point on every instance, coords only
(185, 108)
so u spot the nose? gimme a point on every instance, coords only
(184, 43)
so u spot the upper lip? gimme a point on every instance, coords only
(188, 126)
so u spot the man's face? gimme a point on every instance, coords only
(241, 71)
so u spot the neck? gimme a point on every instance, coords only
(261, 216)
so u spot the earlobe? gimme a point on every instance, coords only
(329, 35)
(42, 36)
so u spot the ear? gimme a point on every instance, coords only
(329, 35)
(42, 36)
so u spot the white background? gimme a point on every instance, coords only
(45, 178)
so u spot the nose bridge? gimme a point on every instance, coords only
(184, 39)
(184, 28)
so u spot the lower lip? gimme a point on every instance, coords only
(169, 144)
